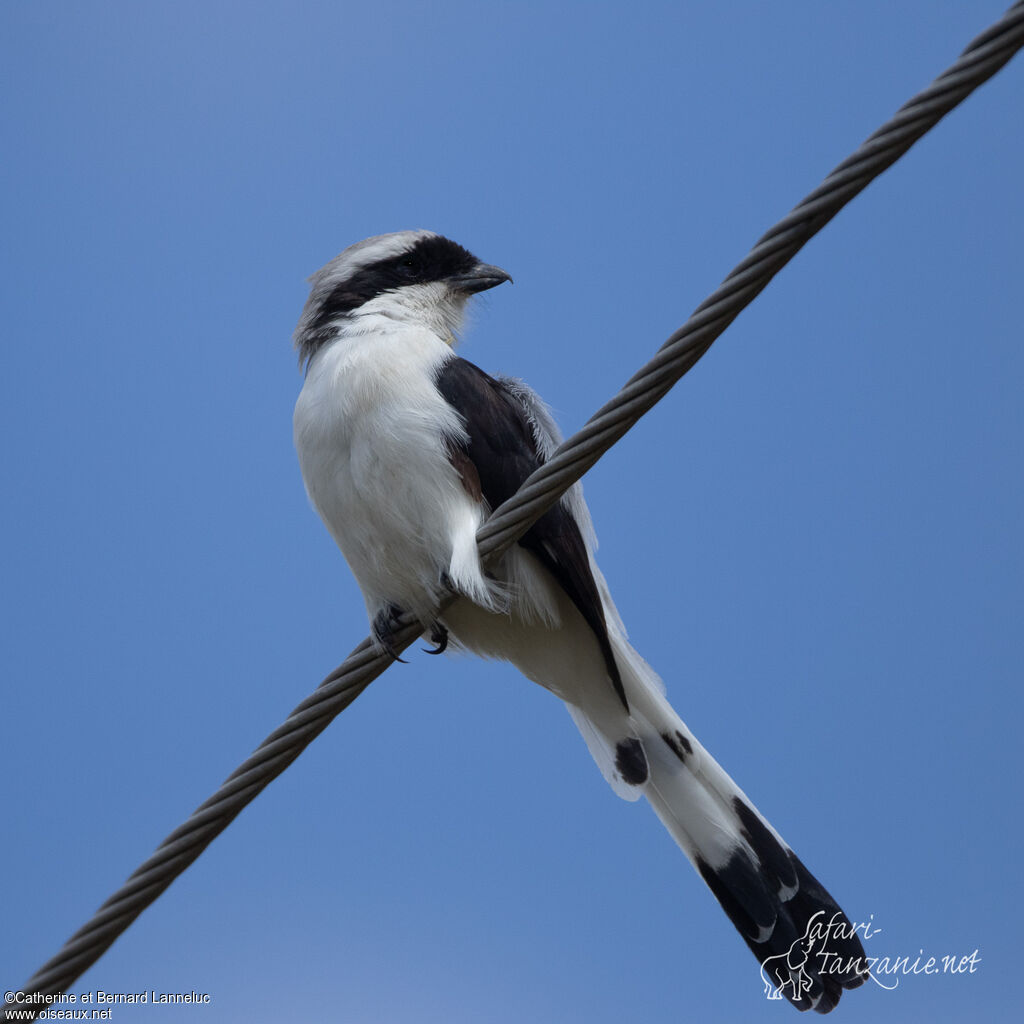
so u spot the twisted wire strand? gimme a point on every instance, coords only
(979, 61)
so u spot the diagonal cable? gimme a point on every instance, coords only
(982, 59)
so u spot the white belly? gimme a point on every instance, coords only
(370, 431)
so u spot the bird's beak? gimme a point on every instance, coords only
(479, 279)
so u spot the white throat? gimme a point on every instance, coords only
(434, 306)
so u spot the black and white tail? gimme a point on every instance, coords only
(807, 947)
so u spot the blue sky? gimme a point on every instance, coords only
(815, 538)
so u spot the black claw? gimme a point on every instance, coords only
(439, 638)
(384, 630)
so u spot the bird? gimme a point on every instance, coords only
(404, 448)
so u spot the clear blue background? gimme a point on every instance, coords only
(816, 538)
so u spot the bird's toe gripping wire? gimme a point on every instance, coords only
(384, 623)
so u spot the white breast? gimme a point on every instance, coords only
(370, 429)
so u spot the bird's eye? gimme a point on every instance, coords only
(407, 266)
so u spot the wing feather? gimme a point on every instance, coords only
(508, 434)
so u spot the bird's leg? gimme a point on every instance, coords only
(439, 638)
(384, 623)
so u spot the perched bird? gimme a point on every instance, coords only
(404, 448)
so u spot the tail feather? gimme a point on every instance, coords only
(808, 948)
(806, 945)
(604, 755)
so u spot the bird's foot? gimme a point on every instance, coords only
(384, 623)
(439, 638)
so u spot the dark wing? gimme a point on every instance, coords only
(500, 453)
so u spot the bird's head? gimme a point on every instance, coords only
(416, 276)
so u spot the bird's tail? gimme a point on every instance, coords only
(808, 950)
(807, 947)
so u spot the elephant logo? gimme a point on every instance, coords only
(785, 975)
